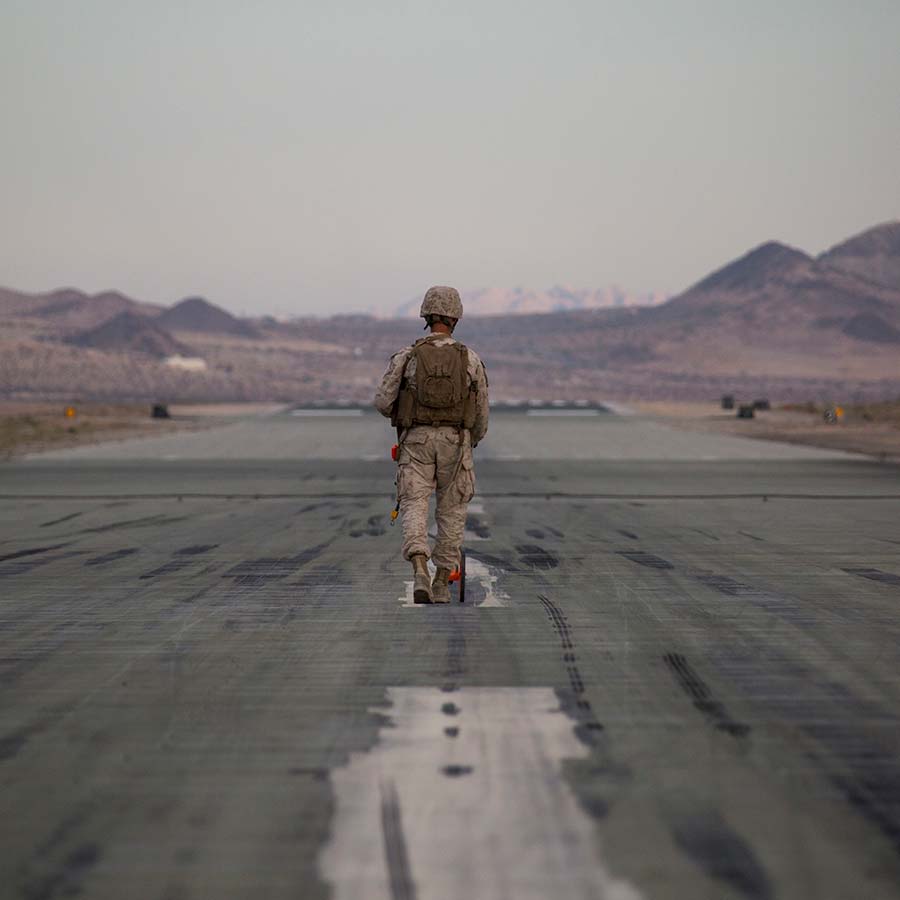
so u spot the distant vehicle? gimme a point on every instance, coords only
(727, 401)
(762, 404)
(160, 411)
(746, 411)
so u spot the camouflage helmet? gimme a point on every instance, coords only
(442, 301)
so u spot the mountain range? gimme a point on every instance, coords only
(776, 321)
(499, 301)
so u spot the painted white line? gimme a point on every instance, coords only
(618, 408)
(463, 796)
(326, 412)
(475, 571)
(563, 412)
(407, 600)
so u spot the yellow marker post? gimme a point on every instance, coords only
(70, 412)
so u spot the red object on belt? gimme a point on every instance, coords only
(455, 575)
(394, 451)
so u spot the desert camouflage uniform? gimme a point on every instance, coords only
(428, 460)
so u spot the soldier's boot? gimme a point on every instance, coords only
(440, 587)
(421, 579)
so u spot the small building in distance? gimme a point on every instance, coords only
(186, 363)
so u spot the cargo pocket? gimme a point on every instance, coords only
(412, 482)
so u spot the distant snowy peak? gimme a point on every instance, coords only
(522, 301)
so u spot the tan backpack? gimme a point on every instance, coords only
(442, 390)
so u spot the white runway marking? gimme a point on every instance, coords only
(326, 412)
(562, 412)
(463, 797)
(476, 571)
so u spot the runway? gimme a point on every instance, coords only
(676, 674)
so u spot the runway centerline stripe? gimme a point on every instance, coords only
(486, 811)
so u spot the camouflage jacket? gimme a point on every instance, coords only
(390, 384)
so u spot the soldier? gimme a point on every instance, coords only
(436, 394)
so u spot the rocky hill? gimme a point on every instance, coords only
(873, 255)
(68, 309)
(197, 314)
(130, 332)
(778, 296)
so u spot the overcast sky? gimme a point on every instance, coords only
(312, 157)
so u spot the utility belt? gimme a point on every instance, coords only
(456, 425)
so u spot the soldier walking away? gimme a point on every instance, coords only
(436, 394)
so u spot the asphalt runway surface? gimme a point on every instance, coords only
(677, 673)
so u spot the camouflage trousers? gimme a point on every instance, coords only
(428, 461)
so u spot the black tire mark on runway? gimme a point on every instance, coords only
(876, 575)
(196, 550)
(169, 568)
(67, 518)
(395, 853)
(66, 880)
(706, 838)
(11, 744)
(272, 568)
(629, 534)
(593, 778)
(646, 559)
(23, 567)
(31, 551)
(184, 558)
(145, 522)
(496, 561)
(787, 608)
(536, 557)
(752, 537)
(853, 740)
(561, 626)
(697, 689)
(374, 527)
(455, 663)
(112, 556)
(477, 527)
(310, 507)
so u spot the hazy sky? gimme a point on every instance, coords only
(290, 157)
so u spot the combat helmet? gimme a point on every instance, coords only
(442, 301)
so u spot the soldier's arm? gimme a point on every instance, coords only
(390, 384)
(479, 429)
